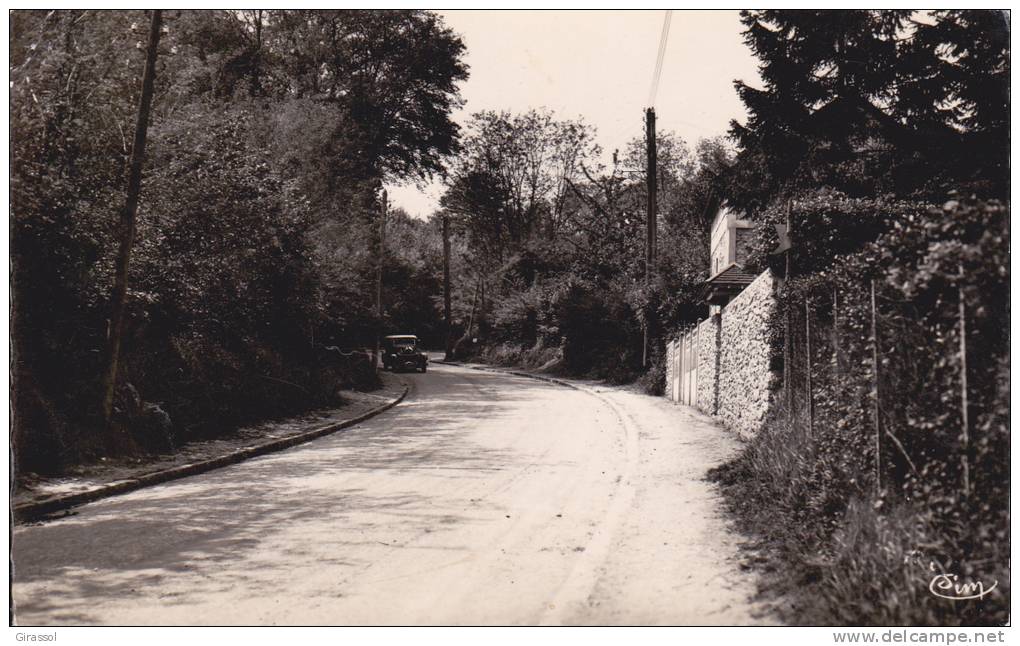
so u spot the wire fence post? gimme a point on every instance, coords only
(787, 371)
(835, 337)
(878, 400)
(965, 436)
(810, 395)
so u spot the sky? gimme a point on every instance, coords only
(598, 65)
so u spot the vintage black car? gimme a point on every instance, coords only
(400, 352)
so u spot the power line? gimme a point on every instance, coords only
(658, 59)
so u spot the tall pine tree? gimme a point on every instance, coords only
(955, 75)
(873, 102)
(825, 74)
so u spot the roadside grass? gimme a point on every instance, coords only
(854, 560)
(538, 357)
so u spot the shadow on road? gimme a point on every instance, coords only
(161, 543)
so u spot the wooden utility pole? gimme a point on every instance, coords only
(965, 436)
(652, 221)
(446, 287)
(118, 298)
(379, 278)
(652, 179)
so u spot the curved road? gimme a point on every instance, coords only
(484, 498)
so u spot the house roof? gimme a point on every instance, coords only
(734, 275)
(729, 282)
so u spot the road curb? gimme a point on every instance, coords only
(33, 510)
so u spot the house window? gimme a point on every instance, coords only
(730, 238)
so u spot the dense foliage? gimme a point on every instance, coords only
(271, 134)
(892, 479)
(553, 240)
(895, 307)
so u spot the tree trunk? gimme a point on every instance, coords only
(127, 219)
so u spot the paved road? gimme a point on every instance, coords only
(482, 499)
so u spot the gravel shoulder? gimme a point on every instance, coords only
(673, 556)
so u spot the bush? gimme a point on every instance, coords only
(653, 380)
(600, 336)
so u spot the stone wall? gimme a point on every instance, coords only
(708, 341)
(747, 382)
(737, 382)
(670, 354)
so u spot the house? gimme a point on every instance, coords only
(730, 242)
(725, 365)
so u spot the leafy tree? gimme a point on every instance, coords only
(391, 77)
(413, 278)
(555, 242)
(256, 218)
(511, 183)
(73, 89)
